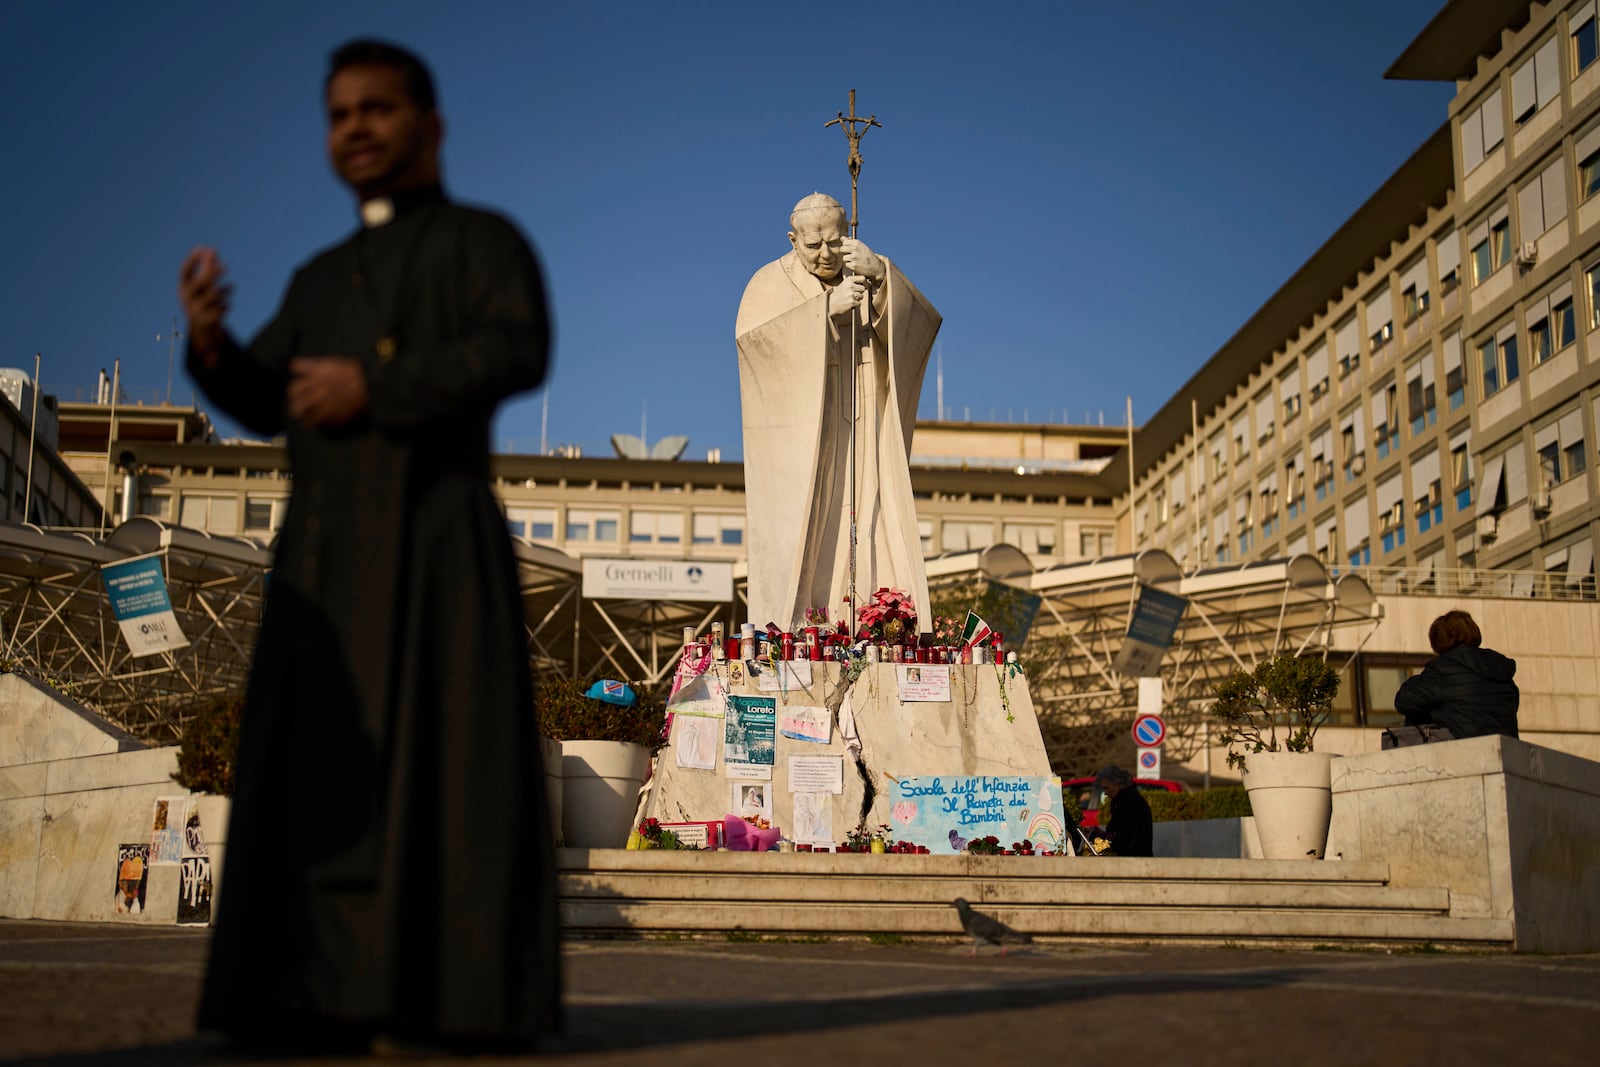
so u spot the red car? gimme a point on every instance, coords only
(1089, 797)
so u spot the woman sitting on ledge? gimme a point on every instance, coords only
(1466, 688)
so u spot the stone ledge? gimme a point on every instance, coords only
(1464, 758)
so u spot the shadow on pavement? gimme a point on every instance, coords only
(633, 1024)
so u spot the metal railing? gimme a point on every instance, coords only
(1473, 582)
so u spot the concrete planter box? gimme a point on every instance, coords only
(600, 791)
(1291, 795)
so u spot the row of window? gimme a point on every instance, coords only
(1257, 512)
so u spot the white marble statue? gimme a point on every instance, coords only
(795, 337)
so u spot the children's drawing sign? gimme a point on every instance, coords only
(947, 811)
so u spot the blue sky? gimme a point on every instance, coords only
(1095, 196)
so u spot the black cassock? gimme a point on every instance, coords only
(389, 864)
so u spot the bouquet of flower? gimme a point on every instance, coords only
(889, 616)
(946, 631)
(651, 834)
(985, 846)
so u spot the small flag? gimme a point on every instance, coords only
(974, 631)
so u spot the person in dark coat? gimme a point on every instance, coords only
(1466, 688)
(1125, 820)
(390, 693)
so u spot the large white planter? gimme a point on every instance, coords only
(214, 812)
(1291, 796)
(600, 793)
(550, 755)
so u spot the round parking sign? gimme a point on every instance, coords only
(1148, 761)
(1149, 730)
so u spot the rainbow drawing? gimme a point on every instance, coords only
(1045, 831)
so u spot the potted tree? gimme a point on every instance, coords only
(1288, 782)
(206, 755)
(607, 737)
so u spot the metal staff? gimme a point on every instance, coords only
(853, 134)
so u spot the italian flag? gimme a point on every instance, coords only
(974, 631)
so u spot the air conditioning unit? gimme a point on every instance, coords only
(1541, 503)
(1488, 527)
(1528, 253)
(1358, 463)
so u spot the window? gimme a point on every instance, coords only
(1542, 202)
(1461, 471)
(1421, 407)
(537, 523)
(1380, 319)
(1412, 304)
(1482, 131)
(258, 515)
(584, 524)
(1492, 250)
(1560, 449)
(218, 514)
(156, 505)
(1497, 358)
(1535, 83)
(1593, 277)
(925, 531)
(1455, 379)
(960, 536)
(655, 527)
(724, 529)
(1564, 326)
(1094, 542)
(1589, 176)
(1581, 25)
(1539, 348)
(1346, 347)
(1036, 539)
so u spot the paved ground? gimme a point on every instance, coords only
(101, 994)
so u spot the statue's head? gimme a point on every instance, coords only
(817, 226)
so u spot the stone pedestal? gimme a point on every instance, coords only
(1511, 829)
(968, 734)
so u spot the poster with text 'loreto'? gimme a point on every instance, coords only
(946, 812)
(138, 594)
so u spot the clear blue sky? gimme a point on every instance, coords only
(1094, 195)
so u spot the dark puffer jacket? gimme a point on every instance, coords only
(1467, 689)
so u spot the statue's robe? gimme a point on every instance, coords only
(794, 385)
(390, 865)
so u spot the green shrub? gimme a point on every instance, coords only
(209, 746)
(565, 714)
(1223, 802)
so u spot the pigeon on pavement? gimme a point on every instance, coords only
(987, 930)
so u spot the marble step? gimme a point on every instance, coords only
(612, 891)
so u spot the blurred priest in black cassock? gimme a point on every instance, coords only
(390, 870)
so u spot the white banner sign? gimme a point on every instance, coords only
(138, 594)
(708, 581)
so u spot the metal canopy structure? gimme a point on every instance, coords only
(56, 622)
(1236, 617)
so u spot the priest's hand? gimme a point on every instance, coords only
(205, 301)
(859, 259)
(326, 391)
(846, 296)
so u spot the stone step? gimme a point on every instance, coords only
(614, 891)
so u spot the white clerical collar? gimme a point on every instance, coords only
(378, 211)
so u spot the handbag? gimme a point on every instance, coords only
(1425, 734)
